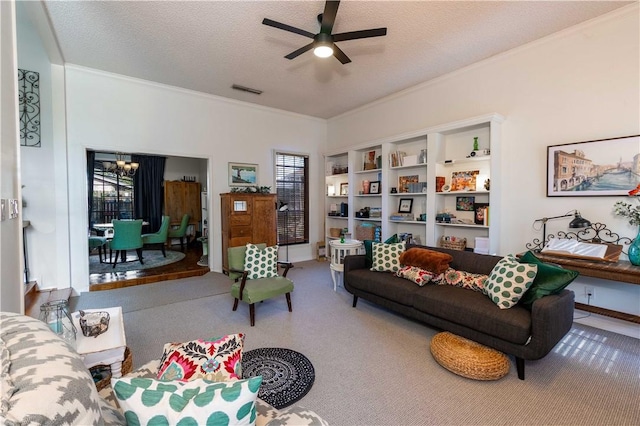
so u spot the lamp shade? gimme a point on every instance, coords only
(579, 222)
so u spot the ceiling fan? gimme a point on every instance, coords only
(324, 43)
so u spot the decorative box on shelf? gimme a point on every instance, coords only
(401, 216)
(375, 212)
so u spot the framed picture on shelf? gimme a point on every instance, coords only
(405, 205)
(243, 174)
(464, 180)
(603, 167)
(344, 189)
(465, 204)
(374, 187)
(404, 181)
(481, 213)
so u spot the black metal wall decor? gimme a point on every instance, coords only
(597, 233)
(29, 106)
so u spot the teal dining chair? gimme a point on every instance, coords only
(100, 243)
(127, 235)
(180, 232)
(159, 237)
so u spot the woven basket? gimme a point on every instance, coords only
(335, 232)
(453, 243)
(467, 358)
(127, 367)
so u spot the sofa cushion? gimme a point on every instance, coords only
(386, 257)
(198, 402)
(474, 310)
(261, 263)
(384, 284)
(44, 381)
(430, 260)
(368, 249)
(550, 279)
(217, 359)
(508, 281)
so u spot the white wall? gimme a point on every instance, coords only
(578, 85)
(46, 204)
(11, 286)
(116, 113)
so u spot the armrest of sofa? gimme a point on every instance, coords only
(353, 262)
(551, 320)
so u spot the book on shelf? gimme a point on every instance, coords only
(396, 158)
(581, 250)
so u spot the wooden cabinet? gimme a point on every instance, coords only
(182, 198)
(247, 218)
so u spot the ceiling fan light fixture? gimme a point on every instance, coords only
(323, 51)
(323, 45)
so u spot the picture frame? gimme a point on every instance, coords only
(465, 204)
(404, 181)
(243, 174)
(405, 205)
(344, 189)
(374, 187)
(602, 167)
(464, 180)
(480, 213)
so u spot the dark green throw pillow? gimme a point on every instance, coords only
(368, 249)
(550, 279)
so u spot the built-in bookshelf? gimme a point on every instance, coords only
(428, 184)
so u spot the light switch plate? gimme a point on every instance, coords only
(14, 208)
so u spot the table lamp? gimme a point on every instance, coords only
(577, 223)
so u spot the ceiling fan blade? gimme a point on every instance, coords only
(281, 26)
(339, 54)
(329, 16)
(300, 51)
(353, 35)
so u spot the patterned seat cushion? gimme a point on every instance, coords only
(44, 381)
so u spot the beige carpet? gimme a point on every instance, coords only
(374, 367)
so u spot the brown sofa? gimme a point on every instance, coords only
(525, 334)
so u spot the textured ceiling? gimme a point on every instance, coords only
(209, 45)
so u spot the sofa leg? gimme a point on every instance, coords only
(520, 368)
(355, 301)
(252, 314)
(235, 304)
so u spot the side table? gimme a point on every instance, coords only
(107, 348)
(338, 252)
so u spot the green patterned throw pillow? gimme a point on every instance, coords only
(146, 401)
(386, 257)
(261, 263)
(508, 281)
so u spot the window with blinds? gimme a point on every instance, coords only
(292, 187)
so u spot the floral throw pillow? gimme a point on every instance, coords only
(509, 280)
(261, 263)
(462, 279)
(218, 359)
(417, 275)
(386, 257)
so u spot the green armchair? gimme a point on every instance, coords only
(252, 291)
(127, 235)
(159, 237)
(181, 231)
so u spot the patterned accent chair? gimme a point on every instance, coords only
(253, 290)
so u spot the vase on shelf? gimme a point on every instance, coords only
(634, 250)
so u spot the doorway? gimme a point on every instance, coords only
(114, 197)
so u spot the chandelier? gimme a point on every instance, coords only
(121, 167)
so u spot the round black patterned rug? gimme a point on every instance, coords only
(287, 375)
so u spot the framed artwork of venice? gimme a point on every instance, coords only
(601, 167)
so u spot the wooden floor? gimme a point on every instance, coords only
(187, 267)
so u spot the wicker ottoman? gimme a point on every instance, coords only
(467, 358)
